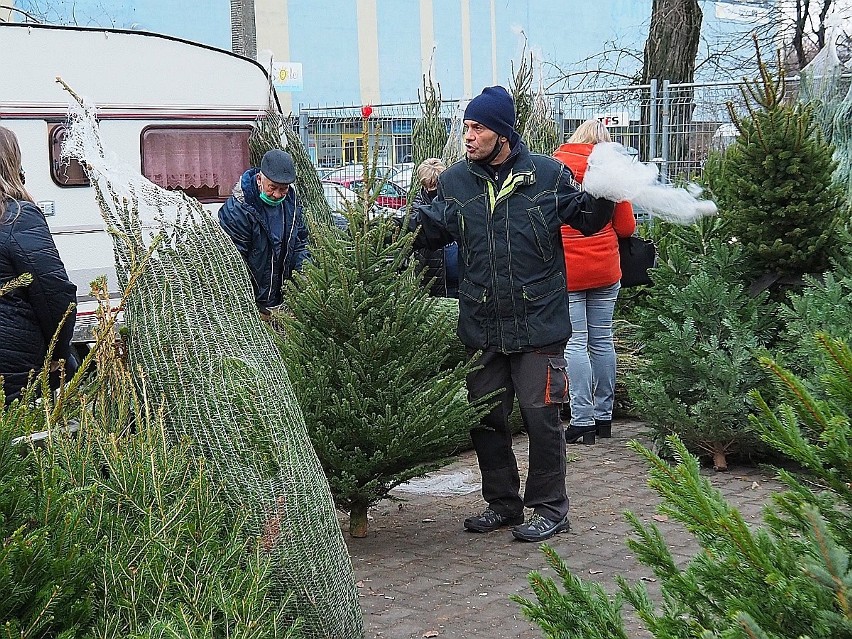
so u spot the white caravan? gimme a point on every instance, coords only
(179, 111)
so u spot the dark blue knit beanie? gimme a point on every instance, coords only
(495, 109)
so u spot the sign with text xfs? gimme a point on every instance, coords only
(287, 76)
(611, 120)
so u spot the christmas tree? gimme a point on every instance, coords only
(699, 329)
(373, 359)
(775, 185)
(111, 530)
(790, 578)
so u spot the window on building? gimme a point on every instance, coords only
(64, 171)
(203, 162)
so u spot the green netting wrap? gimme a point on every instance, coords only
(273, 131)
(820, 85)
(540, 130)
(197, 340)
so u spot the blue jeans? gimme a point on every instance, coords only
(591, 354)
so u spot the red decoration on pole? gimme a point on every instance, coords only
(366, 111)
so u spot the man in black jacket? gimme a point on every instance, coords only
(505, 207)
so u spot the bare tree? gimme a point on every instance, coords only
(88, 15)
(672, 41)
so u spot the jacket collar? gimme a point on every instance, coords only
(523, 166)
(247, 193)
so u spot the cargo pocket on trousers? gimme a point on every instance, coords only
(557, 381)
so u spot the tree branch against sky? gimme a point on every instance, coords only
(798, 27)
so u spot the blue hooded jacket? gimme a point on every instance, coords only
(273, 240)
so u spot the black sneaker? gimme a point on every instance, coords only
(539, 528)
(490, 521)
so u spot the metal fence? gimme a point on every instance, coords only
(674, 125)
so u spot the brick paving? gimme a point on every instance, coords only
(421, 575)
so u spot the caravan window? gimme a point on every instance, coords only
(64, 172)
(203, 162)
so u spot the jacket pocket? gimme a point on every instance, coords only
(473, 318)
(545, 287)
(543, 241)
(557, 381)
(546, 311)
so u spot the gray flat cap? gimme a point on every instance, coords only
(277, 165)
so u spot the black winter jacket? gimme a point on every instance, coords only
(512, 292)
(29, 316)
(247, 220)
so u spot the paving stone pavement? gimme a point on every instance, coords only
(421, 575)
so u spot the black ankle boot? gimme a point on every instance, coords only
(573, 434)
(604, 427)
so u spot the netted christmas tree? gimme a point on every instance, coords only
(374, 360)
(429, 133)
(534, 115)
(790, 578)
(520, 87)
(111, 530)
(842, 139)
(274, 131)
(198, 348)
(774, 183)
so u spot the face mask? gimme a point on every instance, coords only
(271, 201)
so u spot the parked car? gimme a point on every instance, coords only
(404, 176)
(390, 195)
(355, 172)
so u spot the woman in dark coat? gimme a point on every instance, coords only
(29, 315)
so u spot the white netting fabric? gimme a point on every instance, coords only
(820, 85)
(614, 175)
(207, 359)
(842, 139)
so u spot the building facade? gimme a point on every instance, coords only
(377, 51)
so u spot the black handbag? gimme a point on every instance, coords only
(637, 255)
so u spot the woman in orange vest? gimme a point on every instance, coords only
(593, 273)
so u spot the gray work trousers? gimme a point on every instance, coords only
(539, 380)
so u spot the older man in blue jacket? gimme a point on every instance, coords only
(264, 218)
(505, 206)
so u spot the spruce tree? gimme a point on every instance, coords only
(774, 183)
(699, 330)
(374, 361)
(790, 578)
(824, 304)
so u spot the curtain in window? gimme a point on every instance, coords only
(195, 158)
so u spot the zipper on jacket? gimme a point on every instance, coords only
(491, 187)
(285, 248)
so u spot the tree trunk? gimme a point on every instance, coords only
(670, 55)
(720, 463)
(358, 520)
(672, 41)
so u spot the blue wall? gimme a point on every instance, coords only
(207, 21)
(323, 36)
